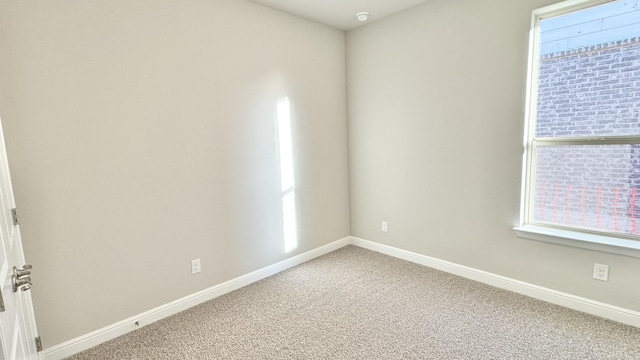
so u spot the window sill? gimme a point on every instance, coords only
(582, 240)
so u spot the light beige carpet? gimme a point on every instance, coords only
(358, 304)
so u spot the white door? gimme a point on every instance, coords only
(17, 321)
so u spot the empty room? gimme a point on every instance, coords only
(315, 179)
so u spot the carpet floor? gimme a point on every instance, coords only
(358, 304)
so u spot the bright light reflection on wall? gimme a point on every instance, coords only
(287, 176)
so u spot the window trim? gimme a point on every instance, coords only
(528, 229)
(579, 239)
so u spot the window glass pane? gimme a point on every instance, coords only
(589, 76)
(595, 187)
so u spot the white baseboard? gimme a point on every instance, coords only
(588, 306)
(120, 328)
(110, 332)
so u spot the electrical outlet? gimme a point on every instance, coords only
(384, 226)
(601, 272)
(195, 266)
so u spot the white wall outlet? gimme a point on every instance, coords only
(601, 272)
(385, 227)
(195, 266)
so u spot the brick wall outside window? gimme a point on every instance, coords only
(591, 91)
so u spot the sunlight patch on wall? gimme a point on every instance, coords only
(287, 177)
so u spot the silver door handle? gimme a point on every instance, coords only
(25, 271)
(21, 278)
(24, 282)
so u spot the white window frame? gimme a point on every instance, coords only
(528, 228)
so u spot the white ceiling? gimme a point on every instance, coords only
(340, 14)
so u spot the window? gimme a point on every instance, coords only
(581, 183)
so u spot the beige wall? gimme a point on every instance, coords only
(141, 135)
(436, 97)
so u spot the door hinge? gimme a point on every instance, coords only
(38, 344)
(14, 215)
